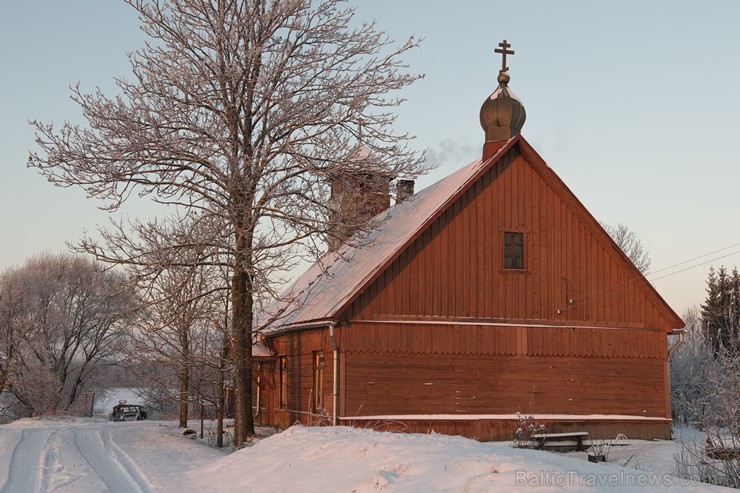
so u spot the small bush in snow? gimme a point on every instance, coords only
(526, 428)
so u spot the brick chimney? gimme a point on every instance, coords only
(404, 190)
(360, 192)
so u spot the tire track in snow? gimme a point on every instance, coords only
(51, 454)
(120, 476)
(63, 472)
(26, 474)
(127, 462)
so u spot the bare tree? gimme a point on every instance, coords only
(12, 310)
(162, 336)
(705, 384)
(177, 341)
(174, 332)
(627, 240)
(238, 113)
(688, 368)
(715, 458)
(62, 318)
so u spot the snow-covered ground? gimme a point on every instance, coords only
(357, 460)
(84, 455)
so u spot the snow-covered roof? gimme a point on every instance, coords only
(328, 286)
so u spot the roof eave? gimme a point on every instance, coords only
(311, 324)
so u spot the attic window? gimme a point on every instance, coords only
(514, 251)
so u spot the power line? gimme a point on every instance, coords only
(697, 265)
(602, 294)
(695, 258)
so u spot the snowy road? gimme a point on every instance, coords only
(80, 455)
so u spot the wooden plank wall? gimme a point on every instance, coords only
(298, 347)
(383, 384)
(455, 268)
(264, 379)
(470, 369)
(481, 339)
(478, 369)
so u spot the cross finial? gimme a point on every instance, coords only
(504, 51)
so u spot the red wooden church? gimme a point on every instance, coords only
(490, 293)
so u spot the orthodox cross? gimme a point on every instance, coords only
(504, 51)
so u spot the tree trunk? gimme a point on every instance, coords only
(184, 376)
(241, 341)
(75, 388)
(221, 397)
(4, 372)
(184, 396)
(9, 356)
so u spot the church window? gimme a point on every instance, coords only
(513, 250)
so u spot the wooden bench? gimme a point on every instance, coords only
(570, 439)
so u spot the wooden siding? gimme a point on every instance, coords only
(264, 390)
(298, 347)
(402, 369)
(387, 384)
(476, 369)
(454, 269)
(505, 340)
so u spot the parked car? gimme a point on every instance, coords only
(124, 411)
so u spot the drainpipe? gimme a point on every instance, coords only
(259, 384)
(680, 333)
(335, 375)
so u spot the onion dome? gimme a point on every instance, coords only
(502, 114)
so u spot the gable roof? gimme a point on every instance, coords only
(330, 285)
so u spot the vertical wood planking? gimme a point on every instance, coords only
(487, 244)
(479, 262)
(455, 268)
(465, 277)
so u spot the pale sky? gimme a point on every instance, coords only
(634, 104)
